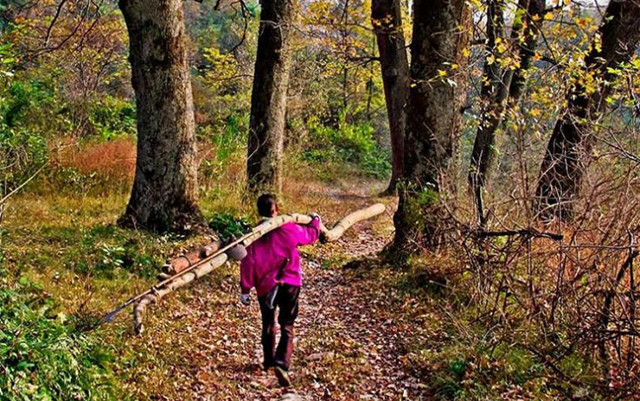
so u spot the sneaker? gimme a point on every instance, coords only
(283, 377)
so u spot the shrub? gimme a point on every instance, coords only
(228, 226)
(21, 154)
(43, 357)
(113, 117)
(350, 143)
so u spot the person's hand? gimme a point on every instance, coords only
(315, 215)
(245, 299)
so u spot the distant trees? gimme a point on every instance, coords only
(269, 96)
(386, 18)
(501, 86)
(563, 165)
(165, 186)
(439, 44)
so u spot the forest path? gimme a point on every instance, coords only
(348, 343)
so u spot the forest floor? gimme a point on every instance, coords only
(353, 334)
(349, 336)
(350, 333)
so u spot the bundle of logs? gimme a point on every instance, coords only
(205, 259)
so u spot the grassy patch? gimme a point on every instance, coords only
(42, 354)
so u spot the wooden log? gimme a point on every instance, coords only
(138, 312)
(261, 229)
(183, 262)
(187, 260)
(176, 265)
(351, 219)
(181, 281)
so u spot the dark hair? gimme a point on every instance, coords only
(267, 205)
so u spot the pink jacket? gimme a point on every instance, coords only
(266, 256)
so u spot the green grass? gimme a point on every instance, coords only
(43, 355)
(66, 264)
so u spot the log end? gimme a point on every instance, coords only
(138, 313)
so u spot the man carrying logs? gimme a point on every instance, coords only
(272, 266)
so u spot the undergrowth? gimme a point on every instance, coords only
(42, 354)
(349, 143)
(464, 353)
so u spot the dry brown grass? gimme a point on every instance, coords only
(114, 160)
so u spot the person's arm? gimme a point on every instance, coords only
(246, 279)
(308, 234)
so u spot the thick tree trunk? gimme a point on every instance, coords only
(563, 166)
(386, 18)
(164, 189)
(499, 87)
(440, 34)
(269, 96)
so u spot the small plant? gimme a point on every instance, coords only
(21, 154)
(112, 256)
(228, 226)
(43, 357)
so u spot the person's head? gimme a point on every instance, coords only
(267, 205)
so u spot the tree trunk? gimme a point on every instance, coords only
(563, 166)
(386, 18)
(434, 116)
(527, 48)
(269, 96)
(499, 86)
(492, 86)
(165, 185)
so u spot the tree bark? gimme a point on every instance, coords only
(386, 18)
(527, 48)
(440, 34)
(499, 87)
(563, 165)
(269, 96)
(165, 184)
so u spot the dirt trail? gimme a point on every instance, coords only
(348, 338)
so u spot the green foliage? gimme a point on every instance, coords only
(27, 99)
(225, 143)
(229, 226)
(22, 150)
(113, 117)
(351, 143)
(7, 58)
(42, 356)
(21, 154)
